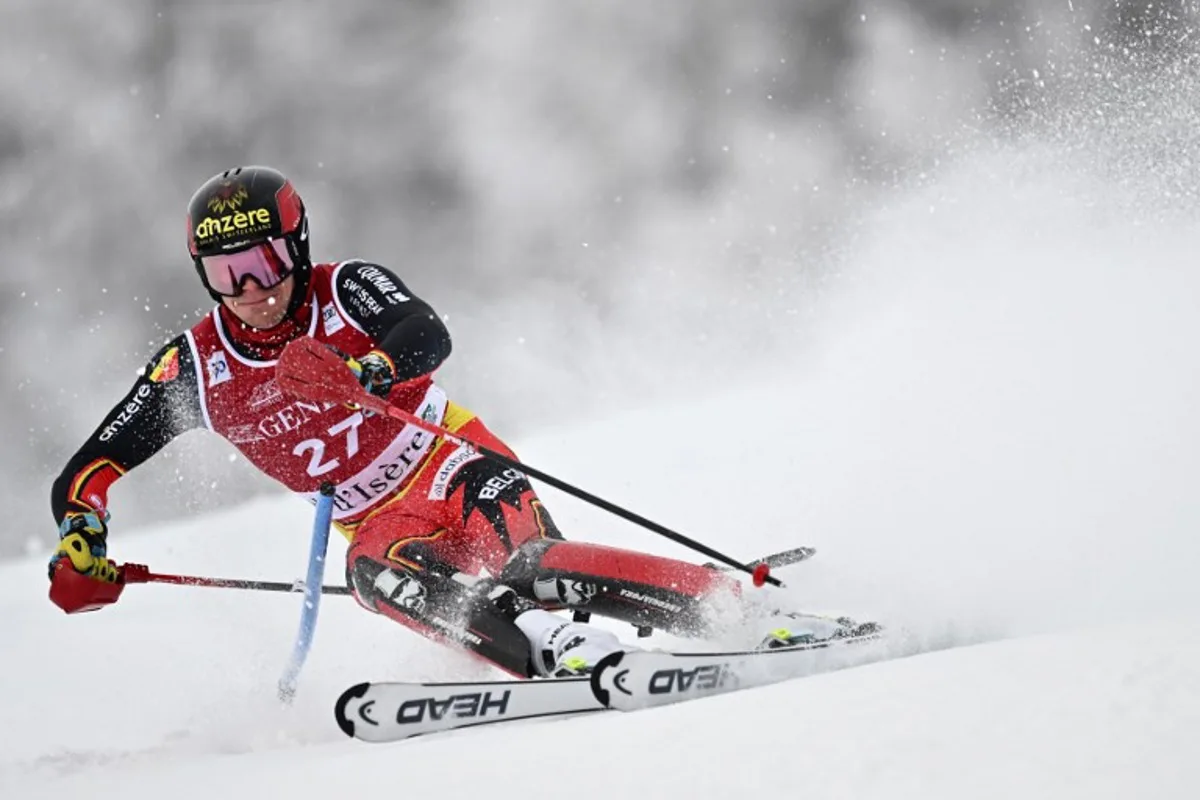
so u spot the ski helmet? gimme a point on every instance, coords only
(249, 222)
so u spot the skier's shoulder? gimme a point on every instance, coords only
(174, 359)
(356, 273)
(367, 289)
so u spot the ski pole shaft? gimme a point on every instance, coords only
(311, 370)
(137, 573)
(312, 594)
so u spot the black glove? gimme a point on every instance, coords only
(374, 371)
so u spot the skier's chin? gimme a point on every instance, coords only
(262, 311)
(263, 314)
(266, 320)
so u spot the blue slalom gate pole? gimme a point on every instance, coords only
(312, 593)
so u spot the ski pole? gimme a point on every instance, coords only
(312, 593)
(311, 370)
(140, 573)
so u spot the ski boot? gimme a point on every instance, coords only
(559, 648)
(812, 630)
(563, 649)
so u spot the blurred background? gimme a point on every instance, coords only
(609, 202)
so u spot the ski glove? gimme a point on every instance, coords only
(375, 371)
(82, 542)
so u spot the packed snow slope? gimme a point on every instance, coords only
(986, 425)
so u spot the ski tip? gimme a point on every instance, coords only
(339, 710)
(609, 661)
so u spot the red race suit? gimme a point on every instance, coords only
(433, 526)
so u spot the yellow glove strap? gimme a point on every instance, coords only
(75, 547)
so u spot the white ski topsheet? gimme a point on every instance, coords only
(626, 681)
(386, 712)
(644, 679)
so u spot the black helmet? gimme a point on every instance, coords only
(242, 209)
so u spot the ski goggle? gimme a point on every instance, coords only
(267, 263)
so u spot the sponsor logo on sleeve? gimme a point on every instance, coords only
(360, 299)
(383, 284)
(366, 303)
(126, 414)
(332, 319)
(218, 369)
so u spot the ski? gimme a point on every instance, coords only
(638, 679)
(389, 712)
(626, 681)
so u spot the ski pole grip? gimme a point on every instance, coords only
(76, 593)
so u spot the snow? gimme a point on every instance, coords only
(184, 709)
(991, 443)
(171, 694)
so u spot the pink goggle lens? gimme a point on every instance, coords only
(267, 264)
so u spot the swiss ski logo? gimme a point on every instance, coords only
(332, 319)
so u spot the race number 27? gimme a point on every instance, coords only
(316, 447)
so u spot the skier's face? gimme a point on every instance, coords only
(259, 307)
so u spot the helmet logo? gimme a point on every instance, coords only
(229, 227)
(229, 197)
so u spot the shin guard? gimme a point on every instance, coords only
(440, 607)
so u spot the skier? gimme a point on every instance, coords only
(442, 540)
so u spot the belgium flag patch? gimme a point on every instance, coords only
(167, 368)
